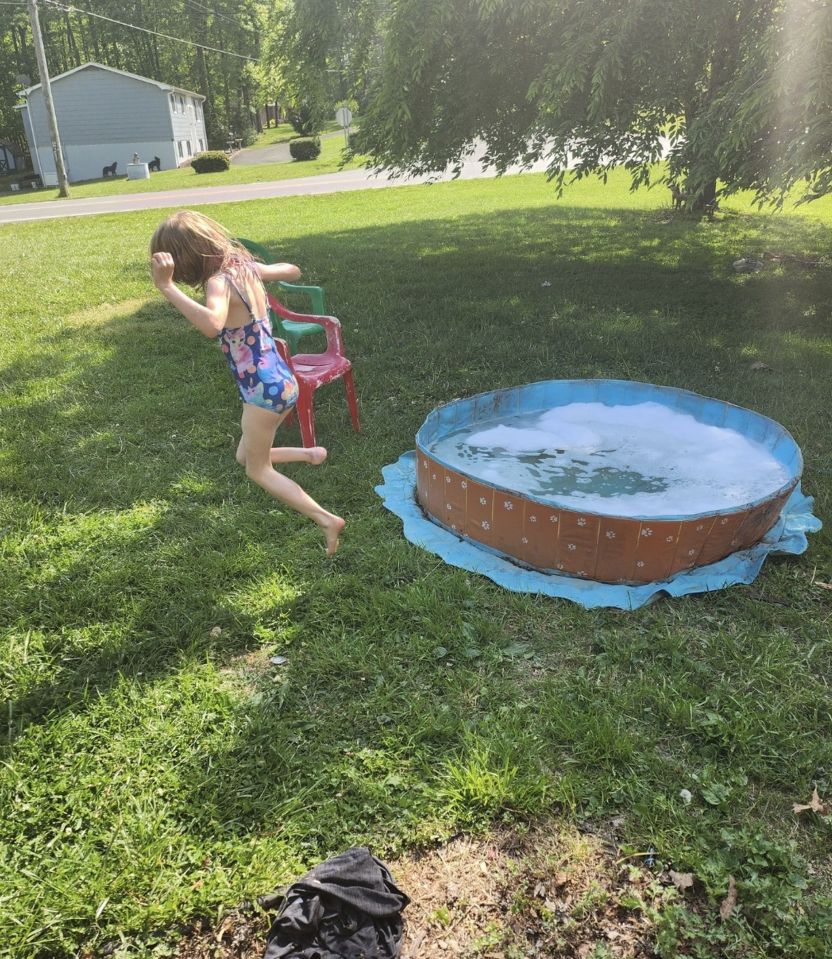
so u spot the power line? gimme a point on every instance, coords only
(222, 16)
(155, 33)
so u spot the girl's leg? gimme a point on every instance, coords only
(259, 427)
(315, 455)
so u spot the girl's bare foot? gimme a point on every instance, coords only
(317, 454)
(333, 528)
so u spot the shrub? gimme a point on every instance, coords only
(212, 161)
(305, 148)
(305, 119)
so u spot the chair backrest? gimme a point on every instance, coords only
(263, 254)
(256, 248)
(315, 293)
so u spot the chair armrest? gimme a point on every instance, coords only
(315, 294)
(331, 325)
(283, 350)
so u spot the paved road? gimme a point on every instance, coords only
(199, 196)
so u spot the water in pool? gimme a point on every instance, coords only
(639, 460)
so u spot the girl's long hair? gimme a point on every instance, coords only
(200, 247)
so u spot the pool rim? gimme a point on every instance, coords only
(784, 489)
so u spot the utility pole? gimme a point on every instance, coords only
(63, 183)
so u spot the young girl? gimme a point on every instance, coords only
(191, 248)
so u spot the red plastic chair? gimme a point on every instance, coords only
(316, 369)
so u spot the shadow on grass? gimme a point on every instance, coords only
(414, 696)
(134, 420)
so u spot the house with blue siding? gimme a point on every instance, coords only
(105, 116)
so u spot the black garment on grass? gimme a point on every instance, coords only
(345, 908)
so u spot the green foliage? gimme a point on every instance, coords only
(306, 119)
(230, 83)
(212, 161)
(325, 51)
(486, 781)
(305, 148)
(771, 886)
(248, 136)
(351, 104)
(738, 91)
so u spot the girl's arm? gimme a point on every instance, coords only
(269, 272)
(209, 319)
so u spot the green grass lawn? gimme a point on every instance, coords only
(285, 132)
(154, 768)
(330, 161)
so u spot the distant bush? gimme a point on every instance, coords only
(212, 161)
(305, 119)
(305, 148)
(248, 136)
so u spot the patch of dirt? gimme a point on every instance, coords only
(246, 672)
(238, 935)
(553, 893)
(546, 894)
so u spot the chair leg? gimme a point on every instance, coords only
(306, 417)
(352, 402)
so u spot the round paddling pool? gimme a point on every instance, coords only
(604, 479)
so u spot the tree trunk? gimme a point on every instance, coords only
(71, 43)
(157, 68)
(226, 96)
(705, 199)
(93, 29)
(209, 106)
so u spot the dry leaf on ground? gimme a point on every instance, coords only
(816, 804)
(729, 901)
(681, 880)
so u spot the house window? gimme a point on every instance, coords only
(201, 144)
(179, 144)
(181, 104)
(173, 103)
(188, 144)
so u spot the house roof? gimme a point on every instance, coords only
(101, 66)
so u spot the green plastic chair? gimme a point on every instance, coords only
(291, 330)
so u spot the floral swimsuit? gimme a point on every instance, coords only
(262, 376)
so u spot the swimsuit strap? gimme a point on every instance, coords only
(247, 265)
(240, 293)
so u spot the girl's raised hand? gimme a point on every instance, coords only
(161, 266)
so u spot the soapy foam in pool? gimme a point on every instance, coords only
(639, 460)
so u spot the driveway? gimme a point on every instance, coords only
(276, 153)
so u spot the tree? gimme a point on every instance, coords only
(738, 93)
(72, 37)
(325, 50)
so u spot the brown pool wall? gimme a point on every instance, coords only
(584, 544)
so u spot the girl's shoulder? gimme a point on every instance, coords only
(217, 282)
(238, 270)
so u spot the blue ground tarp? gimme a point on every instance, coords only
(787, 536)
